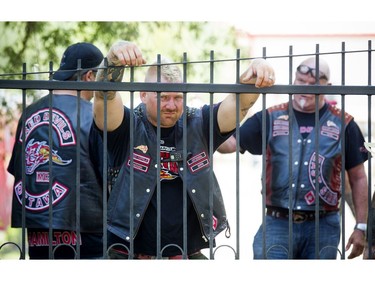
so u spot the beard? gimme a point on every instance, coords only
(302, 103)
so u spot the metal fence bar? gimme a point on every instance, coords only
(105, 171)
(185, 157)
(23, 246)
(158, 186)
(290, 162)
(237, 251)
(343, 154)
(78, 168)
(317, 162)
(211, 151)
(132, 185)
(370, 233)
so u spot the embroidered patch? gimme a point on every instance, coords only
(280, 128)
(143, 148)
(198, 162)
(325, 193)
(283, 117)
(310, 197)
(60, 124)
(331, 130)
(37, 153)
(39, 238)
(140, 162)
(42, 177)
(40, 201)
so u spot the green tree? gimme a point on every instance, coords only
(38, 43)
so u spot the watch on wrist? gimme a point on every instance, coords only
(361, 226)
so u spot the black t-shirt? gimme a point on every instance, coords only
(251, 135)
(171, 191)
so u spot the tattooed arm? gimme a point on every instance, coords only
(122, 53)
(260, 73)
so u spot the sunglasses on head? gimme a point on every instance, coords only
(304, 69)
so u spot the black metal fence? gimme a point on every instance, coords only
(233, 179)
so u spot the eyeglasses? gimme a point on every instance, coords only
(304, 69)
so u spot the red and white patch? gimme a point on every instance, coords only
(329, 196)
(60, 124)
(141, 162)
(198, 162)
(40, 202)
(310, 197)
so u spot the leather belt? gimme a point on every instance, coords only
(297, 216)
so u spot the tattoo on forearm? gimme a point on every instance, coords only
(111, 74)
(114, 74)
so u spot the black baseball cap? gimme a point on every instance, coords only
(89, 55)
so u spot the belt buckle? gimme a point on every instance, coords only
(299, 217)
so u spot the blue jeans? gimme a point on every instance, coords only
(277, 238)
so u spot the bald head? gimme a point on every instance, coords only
(323, 66)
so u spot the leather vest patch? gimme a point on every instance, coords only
(198, 162)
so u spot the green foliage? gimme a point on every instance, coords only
(11, 244)
(38, 46)
(38, 43)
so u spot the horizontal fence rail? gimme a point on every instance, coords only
(185, 87)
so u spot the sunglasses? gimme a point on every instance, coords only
(304, 69)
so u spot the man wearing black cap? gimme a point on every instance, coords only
(304, 138)
(51, 167)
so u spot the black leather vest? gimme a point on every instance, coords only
(303, 170)
(145, 178)
(64, 167)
